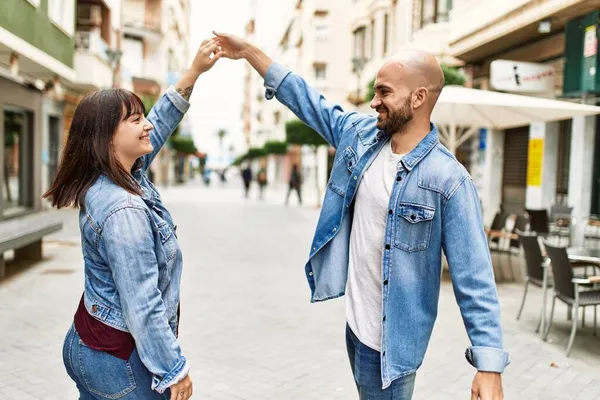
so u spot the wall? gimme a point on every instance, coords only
(32, 24)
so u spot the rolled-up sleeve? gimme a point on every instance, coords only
(127, 244)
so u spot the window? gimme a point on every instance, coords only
(276, 117)
(17, 184)
(62, 13)
(385, 33)
(133, 55)
(321, 27)
(320, 71)
(372, 38)
(434, 11)
(360, 42)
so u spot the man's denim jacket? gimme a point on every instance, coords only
(434, 206)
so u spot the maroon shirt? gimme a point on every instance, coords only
(99, 336)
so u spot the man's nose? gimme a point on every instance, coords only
(375, 102)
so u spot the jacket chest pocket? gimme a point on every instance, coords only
(339, 175)
(413, 226)
(168, 241)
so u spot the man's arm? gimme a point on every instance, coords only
(328, 119)
(465, 246)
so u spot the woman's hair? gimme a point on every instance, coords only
(89, 149)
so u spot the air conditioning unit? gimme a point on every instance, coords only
(89, 14)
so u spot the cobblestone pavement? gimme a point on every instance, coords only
(248, 327)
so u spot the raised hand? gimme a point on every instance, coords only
(232, 47)
(203, 60)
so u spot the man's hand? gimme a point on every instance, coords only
(182, 390)
(234, 48)
(487, 386)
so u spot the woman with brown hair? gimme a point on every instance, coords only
(123, 342)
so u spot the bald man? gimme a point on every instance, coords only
(396, 198)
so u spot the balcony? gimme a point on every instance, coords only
(92, 65)
(142, 19)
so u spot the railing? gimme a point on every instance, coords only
(92, 42)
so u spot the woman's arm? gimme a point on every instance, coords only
(127, 246)
(170, 108)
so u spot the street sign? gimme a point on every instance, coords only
(522, 77)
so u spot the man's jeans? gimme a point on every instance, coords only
(99, 375)
(366, 368)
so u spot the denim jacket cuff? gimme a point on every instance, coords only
(178, 101)
(487, 359)
(174, 376)
(276, 73)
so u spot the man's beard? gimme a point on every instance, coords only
(397, 120)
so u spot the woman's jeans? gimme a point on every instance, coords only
(366, 368)
(99, 375)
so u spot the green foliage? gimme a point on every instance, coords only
(275, 147)
(370, 90)
(255, 152)
(297, 132)
(453, 76)
(183, 144)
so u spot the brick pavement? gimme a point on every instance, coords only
(248, 327)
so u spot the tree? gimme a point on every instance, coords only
(297, 132)
(452, 76)
(221, 133)
(183, 144)
(275, 147)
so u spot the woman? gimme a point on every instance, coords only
(123, 342)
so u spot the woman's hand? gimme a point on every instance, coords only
(203, 60)
(182, 390)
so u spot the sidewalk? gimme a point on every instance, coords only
(248, 327)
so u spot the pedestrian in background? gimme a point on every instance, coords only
(247, 178)
(123, 341)
(261, 178)
(295, 183)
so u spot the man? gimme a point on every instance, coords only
(396, 198)
(247, 178)
(295, 182)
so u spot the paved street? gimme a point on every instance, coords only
(248, 327)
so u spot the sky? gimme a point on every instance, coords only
(216, 102)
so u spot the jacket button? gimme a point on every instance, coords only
(310, 273)
(384, 318)
(355, 177)
(399, 178)
(94, 308)
(387, 247)
(390, 212)
(385, 282)
(413, 217)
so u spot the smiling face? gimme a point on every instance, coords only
(406, 90)
(131, 139)
(392, 100)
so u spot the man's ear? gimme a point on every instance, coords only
(420, 97)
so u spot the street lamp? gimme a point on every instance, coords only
(114, 58)
(358, 64)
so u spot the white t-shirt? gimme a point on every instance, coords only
(363, 289)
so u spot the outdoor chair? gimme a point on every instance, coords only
(568, 289)
(534, 261)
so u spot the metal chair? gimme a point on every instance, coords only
(567, 289)
(534, 261)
